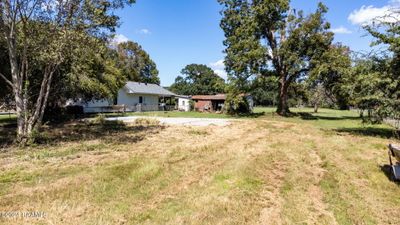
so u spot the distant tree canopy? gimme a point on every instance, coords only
(328, 79)
(135, 63)
(198, 79)
(264, 36)
(265, 90)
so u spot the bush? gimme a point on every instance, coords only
(236, 104)
(191, 103)
(38, 137)
(100, 119)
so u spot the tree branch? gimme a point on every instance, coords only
(7, 80)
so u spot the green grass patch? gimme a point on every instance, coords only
(19, 175)
(68, 152)
(331, 120)
(339, 205)
(8, 119)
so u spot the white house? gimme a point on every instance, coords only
(183, 103)
(94, 106)
(138, 96)
(134, 96)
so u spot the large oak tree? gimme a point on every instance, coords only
(265, 35)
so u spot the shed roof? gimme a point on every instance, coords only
(209, 97)
(183, 96)
(146, 88)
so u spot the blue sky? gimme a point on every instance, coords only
(179, 32)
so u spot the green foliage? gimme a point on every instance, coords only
(298, 94)
(90, 74)
(265, 90)
(328, 79)
(380, 77)
(373, 88)
(236, 104)
(46, 42)
(198, 79)
(191, 103)
(135, 63)
(100, 119)
(266, 37)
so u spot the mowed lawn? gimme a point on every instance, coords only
(324, 168)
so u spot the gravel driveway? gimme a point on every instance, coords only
(177, 120)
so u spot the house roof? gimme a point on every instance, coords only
(209, 97)
(146, 88)
(184, 96)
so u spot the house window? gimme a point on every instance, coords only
(183, 103)
(140, 99)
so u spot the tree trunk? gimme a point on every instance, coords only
(27, 122)
(316, 108)
(21, 122)
(283, 108)
(20, 101)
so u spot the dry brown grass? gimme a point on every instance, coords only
(261, 171)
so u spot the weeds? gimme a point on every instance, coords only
(147, 122)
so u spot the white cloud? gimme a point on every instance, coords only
(219, 68)
(368, 14)
(119, 38)
(218, 64)
(341, 30)
(222, 74)
(144, 31)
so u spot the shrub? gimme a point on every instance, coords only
(38, 137)
(236, 104)
(191, 103)
(99, 119)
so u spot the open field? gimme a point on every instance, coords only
(324, 168)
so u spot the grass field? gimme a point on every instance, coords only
(324, 168)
